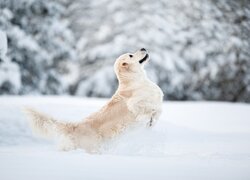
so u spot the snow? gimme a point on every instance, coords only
(192, 140)
(3, 45)
(9, 72)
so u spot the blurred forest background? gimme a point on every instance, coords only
(200, 50)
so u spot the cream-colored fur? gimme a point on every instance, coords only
(137, 100)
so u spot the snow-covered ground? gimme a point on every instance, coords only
(192, 140)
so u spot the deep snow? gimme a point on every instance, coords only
(192, 140)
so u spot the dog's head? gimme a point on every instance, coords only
(130, 65)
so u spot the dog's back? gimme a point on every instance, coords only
(112, 119)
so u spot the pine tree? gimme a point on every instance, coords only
(40, 42)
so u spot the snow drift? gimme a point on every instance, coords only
(198, 140)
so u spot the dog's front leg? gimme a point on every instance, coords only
(145, 108)
(154, 118)
(150, 123)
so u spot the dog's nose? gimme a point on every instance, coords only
(143, 49)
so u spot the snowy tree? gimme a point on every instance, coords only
(41, 43)
(198, 48)
(10, 82)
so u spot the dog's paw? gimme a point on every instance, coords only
(150, 123)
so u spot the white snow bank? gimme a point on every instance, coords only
(192, 140)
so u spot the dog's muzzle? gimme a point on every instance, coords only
(144, 59)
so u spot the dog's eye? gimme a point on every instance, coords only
(131, 55)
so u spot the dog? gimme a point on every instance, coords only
(136, 100)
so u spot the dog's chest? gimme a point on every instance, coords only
(150, 92)
(145, 99)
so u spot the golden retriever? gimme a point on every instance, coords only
(137, 99)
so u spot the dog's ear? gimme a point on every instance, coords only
(124, 64)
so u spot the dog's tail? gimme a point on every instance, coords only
(42, 124)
